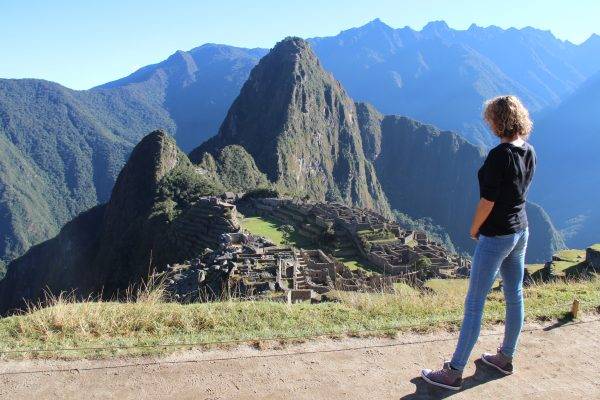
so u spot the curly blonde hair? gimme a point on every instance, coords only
(507, 117)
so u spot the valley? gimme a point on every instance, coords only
(226, 200)
(72, 144)
(293, 132)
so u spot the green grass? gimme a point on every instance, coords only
(566, 259)
(264, 227)
(355, 264)
(382, 241)
(573, 255)
(596, 247)
(449, 287)
(150, 322)
(534, 267)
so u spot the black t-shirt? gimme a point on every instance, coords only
(504, 179)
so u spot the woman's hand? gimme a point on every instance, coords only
(474, 233)
(484, 208)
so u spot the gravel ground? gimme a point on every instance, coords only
(555, 362)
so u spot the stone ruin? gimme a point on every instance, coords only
(390, 249)
(247, 266)
(202, 224)
(242, 265)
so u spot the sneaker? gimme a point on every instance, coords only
(501, 362)
(446, 377)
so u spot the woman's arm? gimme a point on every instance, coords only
(483, 210)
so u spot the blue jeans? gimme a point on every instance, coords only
(507, 254)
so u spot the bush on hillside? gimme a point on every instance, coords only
(260, 193)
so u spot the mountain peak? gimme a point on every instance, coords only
(287, 54)
(151, 159)
(376, 23)
(291, 45)
(436, 27)
(301, 128)
(593, 39)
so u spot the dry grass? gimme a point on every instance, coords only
(146, 320)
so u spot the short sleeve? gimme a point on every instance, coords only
(493, 171)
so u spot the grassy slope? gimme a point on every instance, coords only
(150, 321)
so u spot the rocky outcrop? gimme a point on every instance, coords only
(369, 122)
(302, 130)
(158, 214)
(592, 257)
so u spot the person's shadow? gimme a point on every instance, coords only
(483, 374)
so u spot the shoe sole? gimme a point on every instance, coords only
(505, 372)
(434, 383)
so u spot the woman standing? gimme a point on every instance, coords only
(500, 228)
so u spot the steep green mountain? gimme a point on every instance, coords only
(567, 139)
(301, 128)
(61, 150)
(429, 174)
(235, 168)
(108, 248)
(442, 75)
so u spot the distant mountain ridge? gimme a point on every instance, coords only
(442, 75)
(196, 87)
(71, 144)
(437, 75)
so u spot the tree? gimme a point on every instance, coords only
(424, 267)
(288, 232)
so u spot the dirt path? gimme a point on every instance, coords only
(556, 363)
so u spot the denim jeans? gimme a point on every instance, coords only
(507, 254)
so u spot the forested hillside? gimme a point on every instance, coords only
(61, 150)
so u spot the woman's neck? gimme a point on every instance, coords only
(515, 140)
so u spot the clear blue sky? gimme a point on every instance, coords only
(81, 44)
